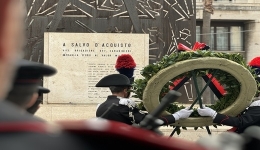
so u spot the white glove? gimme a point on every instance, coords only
(127, 102)
(255, 103)
(206, 111)
(183, 113)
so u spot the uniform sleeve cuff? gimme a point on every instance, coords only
(176, 117)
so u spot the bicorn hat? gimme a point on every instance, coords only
(114, 80)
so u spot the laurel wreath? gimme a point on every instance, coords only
(232, 86)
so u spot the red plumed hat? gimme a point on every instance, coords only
(255, 62)
(125, 61)
(125, 65)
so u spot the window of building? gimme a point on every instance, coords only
(227, 1)
(225, 36)
(233, 1)
(223, 0)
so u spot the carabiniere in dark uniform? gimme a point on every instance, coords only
(122, 109)
(247, 118)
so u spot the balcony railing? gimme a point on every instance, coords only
(233, 1)
(241, 5)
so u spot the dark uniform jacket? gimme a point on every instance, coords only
(249, 118)
(125, 114)
(14, 134)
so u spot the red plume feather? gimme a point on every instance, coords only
(255, 62)
(125, 61)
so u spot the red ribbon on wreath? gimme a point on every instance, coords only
(198, 46)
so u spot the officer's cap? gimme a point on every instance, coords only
(31, 72)
(42, 90)
(27, 80)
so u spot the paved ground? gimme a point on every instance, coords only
(58, 112)
(191, 134)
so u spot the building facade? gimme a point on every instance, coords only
(235, 26)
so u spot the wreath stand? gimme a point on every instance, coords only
(208, 83)
(244, 77)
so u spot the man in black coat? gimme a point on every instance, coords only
(118, 107)
(18, 129)
(21, 130)
(250, 117)
(25, 90)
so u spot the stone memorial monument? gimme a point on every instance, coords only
(82, 59)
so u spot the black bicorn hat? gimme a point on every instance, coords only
(114, 80)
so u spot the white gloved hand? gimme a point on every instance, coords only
(206, 111)
(182, 114)
(255, 103)
(127, 102)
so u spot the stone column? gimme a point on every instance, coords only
(251, 39)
